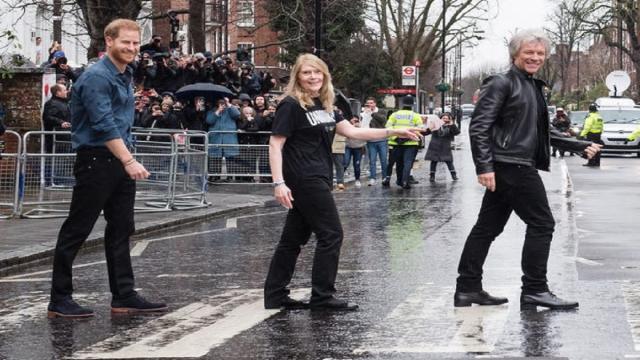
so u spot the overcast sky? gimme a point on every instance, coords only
(508, 16)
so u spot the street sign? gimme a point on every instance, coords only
(408, 76)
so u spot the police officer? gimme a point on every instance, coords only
(405, 150)
(592, 131)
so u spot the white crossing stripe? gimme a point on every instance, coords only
(232, 223)
(631, 292)
(48, 271)
(427, 322)
(191, 331)
(27, 308)
(139, 248)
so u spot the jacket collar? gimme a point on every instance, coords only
(525, 75)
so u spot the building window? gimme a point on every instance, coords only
(250, 53)
(246, 13)
(217, 12)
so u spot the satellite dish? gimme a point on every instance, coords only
(617, 82)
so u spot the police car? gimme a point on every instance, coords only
(621, 117)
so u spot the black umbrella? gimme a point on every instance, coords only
(343, 103)
(210, 92)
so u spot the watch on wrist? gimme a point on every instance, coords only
(278, 183)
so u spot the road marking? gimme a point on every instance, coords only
(139, 248)
(584, 261)
(24, 280)
(48, 271)
(15, 312)
(631, 293)
(232, 223)
(426, 322)
(189, 332)
(195, 275)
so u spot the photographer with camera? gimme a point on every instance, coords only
(222, 121)
(250, 83)
(154, 45)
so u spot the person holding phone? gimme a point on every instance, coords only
(301, 164)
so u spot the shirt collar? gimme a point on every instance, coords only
(113, 69)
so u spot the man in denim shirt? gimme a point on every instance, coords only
(102, 109)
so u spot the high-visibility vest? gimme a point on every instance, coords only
(592, 124)
(403, 119)
(635, 134)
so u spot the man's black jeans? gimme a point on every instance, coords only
(101, 184)
(314, 210)
(520, 189)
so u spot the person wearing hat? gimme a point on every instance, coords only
(405, 150)
(592, 131)
(245, 100)
(59, 64)
(561, 123)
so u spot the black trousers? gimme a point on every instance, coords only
(314, 210)
(405, 156)
(596, 138)
(101, 184)
(519, 189)
(434, 165)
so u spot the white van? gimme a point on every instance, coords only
(621, 117)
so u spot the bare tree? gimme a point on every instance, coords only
(93, 15)
(567, 31)
(413, 29)
(616, 24)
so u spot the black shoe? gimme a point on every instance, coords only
(413, 181)
(135, 304)
(385, 182)
(406, 186)
(432, 178)
(461, 299)
(68, 308)
(334, 304)
(288, 304)
(454, 176)
(546, 299)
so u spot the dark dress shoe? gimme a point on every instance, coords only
(288, 304)
(406, 186)
(461, 299)
(68, 308)
(545, 299)
(385, 182)
(334, 304)
(136, 304)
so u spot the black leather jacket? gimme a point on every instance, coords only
(510, 124)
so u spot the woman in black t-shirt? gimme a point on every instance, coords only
(300, 159)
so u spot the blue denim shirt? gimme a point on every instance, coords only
(102, 106)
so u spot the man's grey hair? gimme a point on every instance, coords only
(528, 36)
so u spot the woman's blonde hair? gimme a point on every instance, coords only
(295, 90)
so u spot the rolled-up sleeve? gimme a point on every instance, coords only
(97, 100)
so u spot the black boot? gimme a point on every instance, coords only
(461, 299)
(545, 299)
(432, 177)
(454, 176)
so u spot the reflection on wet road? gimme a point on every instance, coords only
(398, 263)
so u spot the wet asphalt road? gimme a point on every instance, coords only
(398, 262)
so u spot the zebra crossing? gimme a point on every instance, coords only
(422, 322)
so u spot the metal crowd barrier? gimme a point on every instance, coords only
(190, 182)
(232, 162)
(46, 179)
(156, 151)
(11, 145)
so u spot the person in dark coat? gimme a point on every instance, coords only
(440, 146)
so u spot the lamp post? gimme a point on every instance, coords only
(318, 28)
(444, 50)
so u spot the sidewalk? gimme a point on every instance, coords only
(28, 240)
